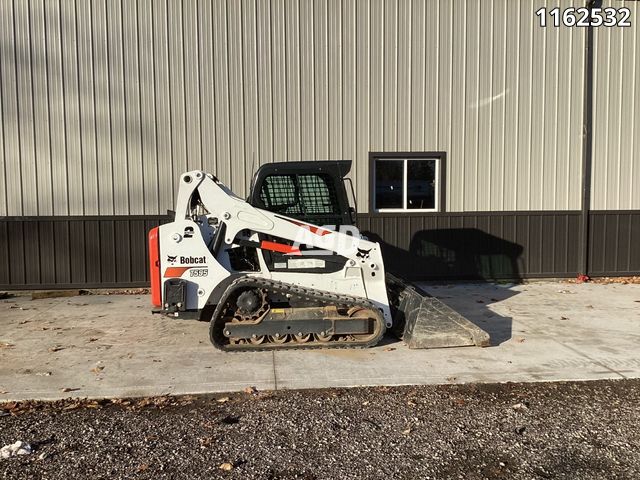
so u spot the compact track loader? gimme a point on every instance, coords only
(287, 268)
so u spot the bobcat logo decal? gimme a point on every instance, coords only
(364, 254)
(172, 259)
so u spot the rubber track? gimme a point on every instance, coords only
(326, 298)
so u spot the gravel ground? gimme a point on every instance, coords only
(552, 430)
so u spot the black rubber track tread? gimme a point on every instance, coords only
(327, 298)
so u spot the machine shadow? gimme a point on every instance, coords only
(474, 306)
(436, 258)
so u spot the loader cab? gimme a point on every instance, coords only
(314, 192)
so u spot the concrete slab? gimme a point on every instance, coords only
(106, 346)
(109, 346)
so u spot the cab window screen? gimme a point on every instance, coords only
(307, 195)
(318, 195)
(279, 194)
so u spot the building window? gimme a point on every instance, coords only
(411, 182)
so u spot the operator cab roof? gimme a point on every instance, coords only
(339, 168)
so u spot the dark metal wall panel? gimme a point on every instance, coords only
(107, 262)
(124, 257)
(47, 252)
(77, 245)
(614, 238)
(31, 261)
(93, 247)
(4, 254)
(75, 252)
(138, 229)
(91, 252)
(484, 245)
(62, 254)
(15, 247)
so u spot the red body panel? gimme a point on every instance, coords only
(174, 272)
(154, 265)
(279, 247)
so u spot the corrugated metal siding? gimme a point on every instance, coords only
(614, 237)
(100, 251)
(104, 103)
(616, 157)
(509, 245)
(87, 252)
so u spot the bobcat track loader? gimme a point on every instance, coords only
(287, 268)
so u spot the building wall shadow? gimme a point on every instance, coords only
(453, 253)
(438, 256)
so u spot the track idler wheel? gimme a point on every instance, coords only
(323, 337)
(279, 339)
(301, 338)
(257, 339)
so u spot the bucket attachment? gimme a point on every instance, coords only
(423, 321)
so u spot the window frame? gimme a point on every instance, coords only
(440, 180)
